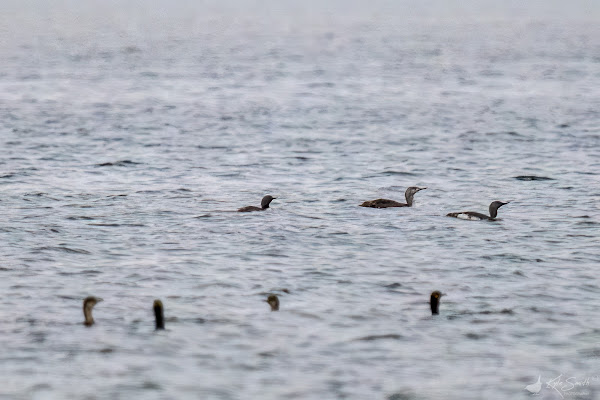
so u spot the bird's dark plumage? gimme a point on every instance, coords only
(264, 204)
(434, 302)
(159, 317)
(475, 216)
(385, 203)
(273, 301)
(88, 304)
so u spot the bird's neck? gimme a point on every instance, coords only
(493, 212)
(435, 306)
(87, 312)
(160, 321)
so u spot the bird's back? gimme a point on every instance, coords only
(382, 203)
(250, 208)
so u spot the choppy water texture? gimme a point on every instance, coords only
(131, 130)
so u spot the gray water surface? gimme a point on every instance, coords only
(131, 131)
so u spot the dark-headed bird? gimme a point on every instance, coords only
(475, 216)
(434, 302)
(264, 204)
(273, 301)
(88, 305)
(385, 203)
(159, 317)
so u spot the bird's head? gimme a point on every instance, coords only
(273, 301)
(266, 201)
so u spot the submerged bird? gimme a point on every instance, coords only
(159, 317)
(475, 216)
(88, 304)
(273, 301)
(385, 203)
(264, 204)
(434, 302)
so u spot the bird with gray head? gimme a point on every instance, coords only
(434, 302)
(385, 203)
(88, 305)
(159, 317)
(475, 216)
(273, 301)
(264, 204)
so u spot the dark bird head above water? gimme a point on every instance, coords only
(410, 192)
(434, 302)
(495, 206)
(476, 216)
(88, 305)
(273, 301)
(264, 204)
(159, 317)
(266, 201)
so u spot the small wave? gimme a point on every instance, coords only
(590, 223)
(370, 338)
(101, 224)
(504, 311)
(121, 163)
(474, 336)
(509, 133)
(131, 49)
(280, 290)
(85, 272)
(391, 172)
(393, 285)
(63, 249)
(212, 147)
(533, 178)
(320, 84)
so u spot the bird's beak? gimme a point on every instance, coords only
(423, 188)
(99, 299)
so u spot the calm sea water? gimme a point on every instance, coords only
(130, 131)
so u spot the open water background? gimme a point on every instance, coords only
(130, 131)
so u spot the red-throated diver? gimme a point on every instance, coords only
(434, 302)
(273, 301)
(88, 304)
(475, 216)
(159, 317)
(385, 203)
(264, 204)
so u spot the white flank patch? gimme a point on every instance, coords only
(467, 216)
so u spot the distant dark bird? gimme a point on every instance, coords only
(159, 317)
(273, 301)
(475, 216)
(532, 178)
(264, 204)
(88, 305)
(385, 203)
(434, 302)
